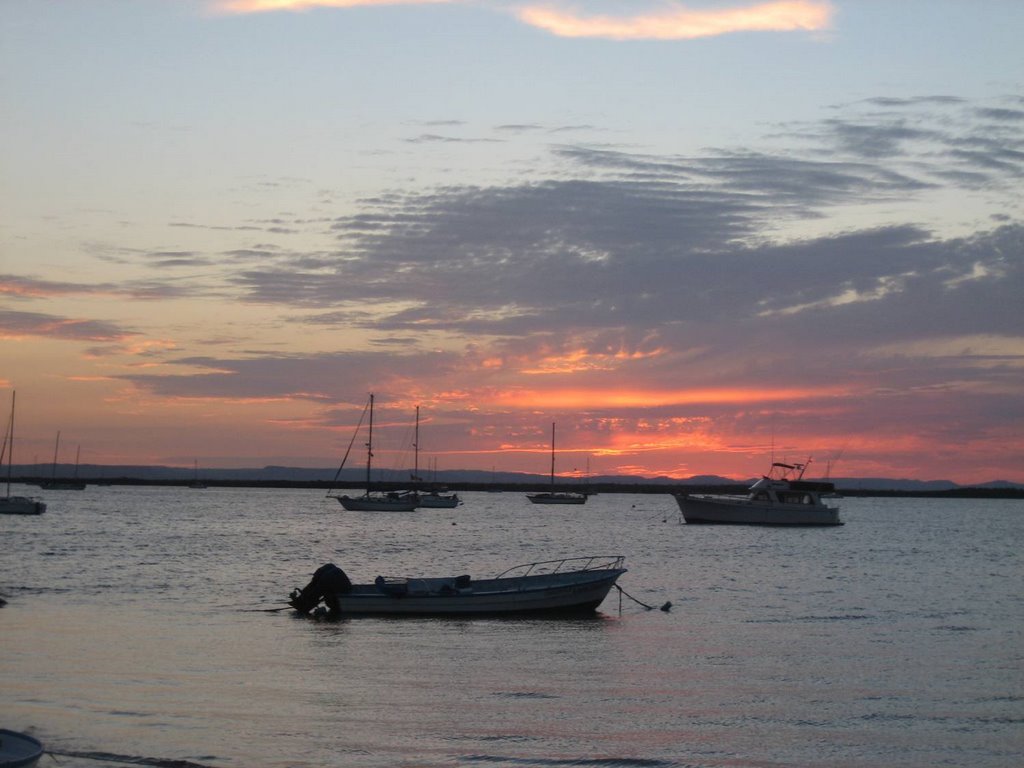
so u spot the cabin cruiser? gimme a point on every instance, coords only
(782, 497)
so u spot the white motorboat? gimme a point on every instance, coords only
(567, 586)
(15, 505)
(782, 497)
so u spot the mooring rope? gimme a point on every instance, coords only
(106, 757)
(666, 607)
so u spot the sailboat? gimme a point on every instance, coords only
(433, 498)
(16, 505)
(392, 501)
(553, 496)
(196, 482)
(493, 488)
(53, 484)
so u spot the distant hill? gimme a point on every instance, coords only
(282, 474)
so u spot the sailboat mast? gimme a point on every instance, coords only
(369, 447)
(56, 448)
(552, 454)
(10, 445)
(416, 449)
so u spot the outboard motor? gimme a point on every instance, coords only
(327, 583)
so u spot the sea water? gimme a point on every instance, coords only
(139, 629)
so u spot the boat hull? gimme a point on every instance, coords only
(570, 596)
(742, 511)
(557, 498)
(21, 505)
(378, 503)
(432, 501)
(18, 750)
(530, 589)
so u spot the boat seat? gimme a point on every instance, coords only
(392, 586)
(399, 587)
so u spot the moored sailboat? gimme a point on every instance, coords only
(433, 498)
(553, 496)
(55, 484)
(370, 501)
(197, 483)
(16, 505)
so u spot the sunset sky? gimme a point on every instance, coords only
(694, 235)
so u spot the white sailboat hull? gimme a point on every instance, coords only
(378, 503)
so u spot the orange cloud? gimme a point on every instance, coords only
(567, 399)
(675, 23)
(679, 23)
(18, 289)
(583, 359)
(269, 6)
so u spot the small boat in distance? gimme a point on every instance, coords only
(196, 482)
(434, 498)
(18, 750)
(438, 500)
(782, 497)
(553, 496)
(15, 505)
(570, 586)
(53, 484)
(393, 501)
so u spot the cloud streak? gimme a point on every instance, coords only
(680, 23)
(270, 6)
(674, 22)
(14, 325)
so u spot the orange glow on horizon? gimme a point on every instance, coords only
(582, 399)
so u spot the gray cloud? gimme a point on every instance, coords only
(20, 287)
(434, 138)
(325, 378)
(14, 323)
(659, 271)
(914, 101)
(943, 137)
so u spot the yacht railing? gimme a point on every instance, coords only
(565, 565)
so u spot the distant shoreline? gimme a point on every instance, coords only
(965, 492)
